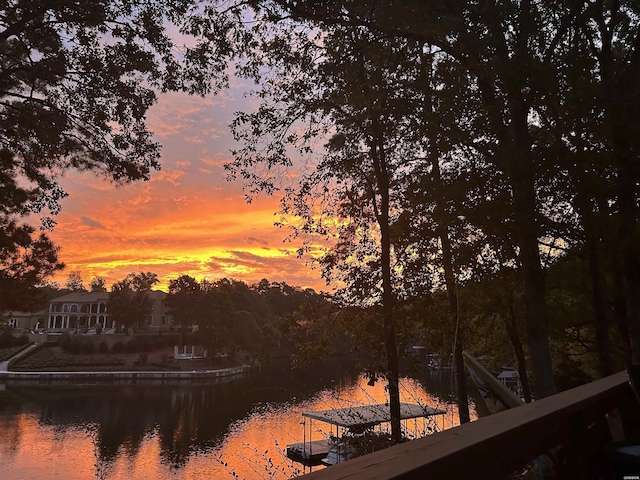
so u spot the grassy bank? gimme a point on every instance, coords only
(8, 352)
(54, 358)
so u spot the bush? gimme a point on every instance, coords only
(75, 345)
(8, 340)
(142, 359)
(86, 347)
(65, 341)
(130, 346)
(103, 347)
(70, 343)
(149, 343)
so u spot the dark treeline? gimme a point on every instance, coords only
(231, 315)
(225, 316)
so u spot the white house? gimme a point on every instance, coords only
(85, 310)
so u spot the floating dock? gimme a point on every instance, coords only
(310, 454)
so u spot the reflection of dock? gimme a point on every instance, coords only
(309, 454)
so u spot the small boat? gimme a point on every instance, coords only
(355, 433)
(340, 450)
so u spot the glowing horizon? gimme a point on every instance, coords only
(188, 219)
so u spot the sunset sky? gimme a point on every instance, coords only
(187, 219)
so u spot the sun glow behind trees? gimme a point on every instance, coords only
(187, 219)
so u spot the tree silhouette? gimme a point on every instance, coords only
(129, 301)
(74, 282)
(541, 145)
(25, 261)
(76, 82)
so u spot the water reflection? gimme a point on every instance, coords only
(240, 427)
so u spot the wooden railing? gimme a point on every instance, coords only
(492, 446)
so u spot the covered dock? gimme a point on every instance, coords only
(355, 420)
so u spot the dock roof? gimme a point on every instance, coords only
(368, 415)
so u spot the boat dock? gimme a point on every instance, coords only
(310, 454)
(354, 420)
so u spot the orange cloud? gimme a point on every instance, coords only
(171, 176)
(188, 219)
(201, 236)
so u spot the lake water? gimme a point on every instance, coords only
(205, 431)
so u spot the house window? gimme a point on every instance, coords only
(13, 322)
(103, 307)
(74, 308)
(65, 308)
(84, 308)
(149, 319)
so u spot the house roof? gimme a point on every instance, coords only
(14, 313)
(94, 296)
(370, 414)
(81, 297)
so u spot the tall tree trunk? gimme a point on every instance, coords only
(520, 167)
(382, 215)
(628, 175)
(594, 222)
(631, 254)
(510, 324)
(535, 306)
(620, 90)
(456, 325)
(593, 226)
(620, 317)
(515, 158)
(599, 308)
(442, 230)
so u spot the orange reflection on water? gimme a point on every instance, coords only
(257, 445)
(44, 451)
(252, 448)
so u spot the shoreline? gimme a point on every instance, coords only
(132, 376)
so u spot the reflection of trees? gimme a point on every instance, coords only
(11, 433)
(186, 418)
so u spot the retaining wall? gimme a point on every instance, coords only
(124, 377)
